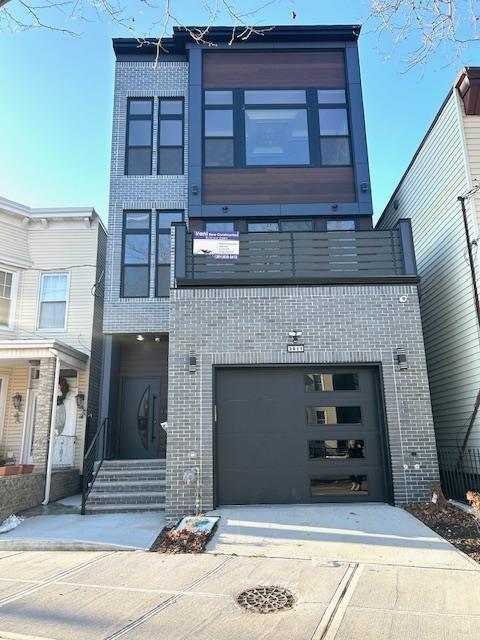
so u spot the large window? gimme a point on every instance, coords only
(138, 156)
(170, 136)
(136, 254)
(266, 226)
(164, 222)
(6, 297)
(300, 127)
(53, 301)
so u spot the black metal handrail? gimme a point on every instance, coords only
(96, 453)
(459, 471)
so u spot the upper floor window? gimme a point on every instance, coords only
(6, 297)
(53, 301)
(135, 280)
(290, 127)
(164, 223)
(220, 226)
(138, 155)
(265, 226)
(170, 136)
(344, 224)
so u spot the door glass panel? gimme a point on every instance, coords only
(333, 415)
(336, 449)
(142, 417)
(331, 382)
(346, 485)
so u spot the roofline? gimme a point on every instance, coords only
(44, 343)
(415, 155)
(177, 43)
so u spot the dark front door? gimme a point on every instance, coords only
(287, 435)
(140, 436)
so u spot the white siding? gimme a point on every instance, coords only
(428, 194)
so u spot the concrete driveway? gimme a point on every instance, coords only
(426, 590)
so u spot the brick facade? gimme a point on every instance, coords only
(140, 79)
(340, 325)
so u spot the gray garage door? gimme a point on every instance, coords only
(286, 435)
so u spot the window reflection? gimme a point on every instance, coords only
(331, 382)
(333, 415)
(338, 486)
(336, 449)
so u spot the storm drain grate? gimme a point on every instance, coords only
(266, 599)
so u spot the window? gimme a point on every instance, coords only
(53, 301)
(262, 227)
(138, 157)
(218, 127)
(298, 127)
(220, 226)
(282, 225)
(315, 382)
(296, 225)
(333, 415)
(164, 222)
(273, 135)
(336, 449)
(6, 297)
(334, 131)
(338, 486)
(340, 225)
(136, 254)
(170, 137)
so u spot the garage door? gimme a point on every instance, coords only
(286, 435)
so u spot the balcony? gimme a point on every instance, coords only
(343, 257)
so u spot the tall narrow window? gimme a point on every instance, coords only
(6, 297)
(170, 136)
(334, 131)
(218, 127)
(138, 156)
(164, 222)
(136, 254)
(53, 301)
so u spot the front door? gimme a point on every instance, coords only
(139, 425)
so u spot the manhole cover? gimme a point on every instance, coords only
(266, 599)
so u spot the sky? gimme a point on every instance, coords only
(56, 98)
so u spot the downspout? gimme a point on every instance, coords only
(48, 478)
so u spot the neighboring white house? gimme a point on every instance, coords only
(51, 304)
(446, 166)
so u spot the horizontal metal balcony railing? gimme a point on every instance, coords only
(301, 258)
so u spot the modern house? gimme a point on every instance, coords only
(249, 303)
(52, 265)
(441, 194)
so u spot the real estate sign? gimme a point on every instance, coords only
(220, 245)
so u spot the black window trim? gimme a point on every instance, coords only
(141, 231)
(171, 116)
(158, 232)
(127, 133)
(312, 107)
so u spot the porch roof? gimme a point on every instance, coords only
(35, 349)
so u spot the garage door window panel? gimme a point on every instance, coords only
(319, 415)
(347, 449)
(316, 382)
(339, 486)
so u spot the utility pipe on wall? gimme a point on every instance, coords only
(48, 478)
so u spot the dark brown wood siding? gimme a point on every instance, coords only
(275, 69)
(278, 185)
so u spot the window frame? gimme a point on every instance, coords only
(220, 221)
(312, 107)
(40, 301)
(141, 231)
(162, 117)
(340, 220)
(158, 232)
(13, 300)
(130, 117)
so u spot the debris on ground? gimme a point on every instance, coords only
(10, 523)
(189, 535)
(458, 527)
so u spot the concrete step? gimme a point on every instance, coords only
(134, 464)
(125, 497)
(123, 508)
(131, 474)
(121, 484)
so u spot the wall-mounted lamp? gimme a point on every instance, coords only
(334, 207)
(225, 209)
(17, 405)
(195, 190)
(295, 335)
(402, 359)
(364, 187)
(80, 398)
(192, 362)
(140, 338)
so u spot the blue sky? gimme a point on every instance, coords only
(56, 103)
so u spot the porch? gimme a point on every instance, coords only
(43, 399)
